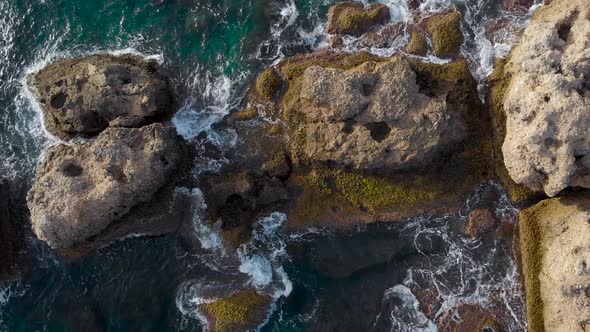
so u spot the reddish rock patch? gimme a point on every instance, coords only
(480, 221)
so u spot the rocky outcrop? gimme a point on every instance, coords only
(445, 32)
(81, 189)
(12, 219)
(345, 141)
(377, 116)
(555, 242)
(547, 103)
(352, 18)
(84, 96)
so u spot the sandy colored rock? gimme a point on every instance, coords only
(376, 116)
(86, 95)
(547, 146)
(352, 18)
(80, 190)
(479, 222)
(555, 237)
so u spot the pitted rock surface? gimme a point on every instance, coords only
(86, 95)
(376, 116)
(547, 146)
(81, 189)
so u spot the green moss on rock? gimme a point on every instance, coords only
(417, 44)
(352, 19)
(269, 84)
(242, 311)
(329, 194)
(445, 32)
(535, 228)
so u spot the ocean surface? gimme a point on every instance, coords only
(212, 50)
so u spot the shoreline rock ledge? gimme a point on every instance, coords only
(87, 195)
(547, 146)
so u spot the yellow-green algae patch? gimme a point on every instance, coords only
(269, 84)
(242, 311)
(445, 32)
(351, 18)
(417, 44)
(499, 81)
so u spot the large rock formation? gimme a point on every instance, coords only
(86, 95)
(547, 104)
(81, 189)
(555, 237)
(377, 116)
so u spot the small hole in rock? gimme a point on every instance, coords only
(59, 100)
(379, 130)
(70, 169)
(348, 126)
(564, 31)
(547, 99)
(367, 89)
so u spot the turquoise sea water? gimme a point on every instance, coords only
(212, 50)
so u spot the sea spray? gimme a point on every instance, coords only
(257, 263)
(262, 257)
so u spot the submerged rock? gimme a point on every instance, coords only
(243, 311)
(547, 104)
(479, 222)
(82, 189)
(352, 18)
(84, 96)
(555, 244)
(380, 115)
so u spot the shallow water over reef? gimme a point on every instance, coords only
(354, 281)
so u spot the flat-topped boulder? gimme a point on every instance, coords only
(81, 189)
(377, 116)
(351, 18)
(84, 96)
(547, 103)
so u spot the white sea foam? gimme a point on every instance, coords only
(406, 315)
(262, 257)
(461, 274)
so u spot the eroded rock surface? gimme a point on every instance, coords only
(547, 146)
(86, 95)
(375, 116)
(555, 237)
(81, 189)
